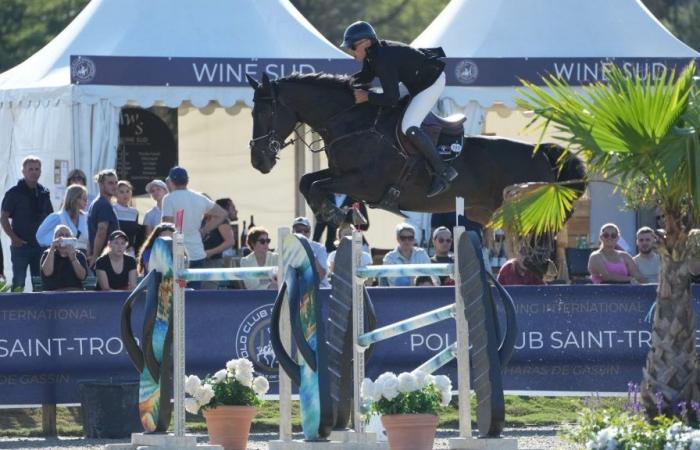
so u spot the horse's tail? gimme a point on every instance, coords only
(572, 169)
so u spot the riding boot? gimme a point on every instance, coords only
(444, 173)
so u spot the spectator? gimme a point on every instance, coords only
(346, 230)
(260, 256)
(424, 281)
(27, 204)
(195, 207)
(77, 176)
(609, 265)
(442, 241)
(128, 216)
(164, 229)
(230, 208)
(63, 268)
(647, 260)
(301, 225)
(405, 253)
(519, 271)
(157, 189)
(102, 220)
(341, 201)
(216, 243)
(116, 271)
(72, 215)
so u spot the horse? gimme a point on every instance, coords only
(368, 160)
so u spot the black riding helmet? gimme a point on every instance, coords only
(356, 32)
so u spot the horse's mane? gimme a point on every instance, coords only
(329, 80)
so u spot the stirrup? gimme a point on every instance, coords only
(438, 186)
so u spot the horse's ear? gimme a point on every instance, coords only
(265, 81)
(252, 82)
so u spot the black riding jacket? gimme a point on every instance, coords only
(394, 62)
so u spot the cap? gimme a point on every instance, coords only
(439, 230)
(160, 183)
(178, 175)
(118, 234)
(302, 221)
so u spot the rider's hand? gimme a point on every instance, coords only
(361, 95)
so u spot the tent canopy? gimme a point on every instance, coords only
(164, 28)
(508, 34)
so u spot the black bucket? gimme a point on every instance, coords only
(109, 408)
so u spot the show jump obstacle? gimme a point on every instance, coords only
(328, 381)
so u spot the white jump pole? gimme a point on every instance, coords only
(358, 328)
(179, 334)
(464, 383)
(285, 383)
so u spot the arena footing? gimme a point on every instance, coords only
(345, 440)
(143, 441)
(483, 444)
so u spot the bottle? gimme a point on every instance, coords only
(252, 223)
(244, 237)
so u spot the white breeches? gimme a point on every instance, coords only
(422, 103)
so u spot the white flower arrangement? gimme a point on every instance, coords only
(408, 393)
(236, 384)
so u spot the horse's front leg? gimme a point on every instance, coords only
(322, 192)
(315, 199)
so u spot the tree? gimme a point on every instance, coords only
(643, 133)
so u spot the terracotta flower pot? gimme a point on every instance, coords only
(229, 426)
(410, 431)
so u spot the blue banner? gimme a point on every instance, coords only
(231, 72)
(571, 339)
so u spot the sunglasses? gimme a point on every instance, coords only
(609, 235)
(302, 230)
(406, 238)
(264, 241)
(443, 240)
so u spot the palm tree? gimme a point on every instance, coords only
(643, 133)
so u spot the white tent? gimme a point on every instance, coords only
(43, 113)
(491, 43)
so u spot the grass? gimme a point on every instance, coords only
(520, 412)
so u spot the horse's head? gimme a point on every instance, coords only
(273, 121)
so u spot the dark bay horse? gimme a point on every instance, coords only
(365, 157)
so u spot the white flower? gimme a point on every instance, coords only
(260, 385)
(204, 394)
(446, 397)
(423, 379)
(191, 406)
(368, 390)
(244, 365)
(407, 382)
(443, 383)
(232, 365)
(192, 383)
(389, 384)
(246, 379)
(220, 376)
(604, 440)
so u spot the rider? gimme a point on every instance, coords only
(420, 70)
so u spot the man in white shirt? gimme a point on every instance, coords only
(195, 207)
(157, 190)
(647, 260)
(301, 225)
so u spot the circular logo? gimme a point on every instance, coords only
(467, 71)
(82, 70)
(253, 341)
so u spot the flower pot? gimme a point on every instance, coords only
(410, 431)
(229, 426)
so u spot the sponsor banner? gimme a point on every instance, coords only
(231, 72)
(570, 338)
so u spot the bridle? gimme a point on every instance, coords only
(274, 144)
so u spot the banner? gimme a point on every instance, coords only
(571, 338)
(231, 72)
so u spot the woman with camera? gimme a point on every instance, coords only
(63, 268)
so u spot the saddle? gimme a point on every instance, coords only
(447, 134)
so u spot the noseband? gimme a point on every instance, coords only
(274, 144)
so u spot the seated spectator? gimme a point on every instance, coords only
(72, 215)
(519, 271)
(164, 229)
(648, 260)
(216, 242)
(609, 265)
(116, 271)
(346, 229)
(424, 281)
(302, 225)
(260, 256)
(63, 268)
(405, 253)
(128, 216)
(442, 241)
